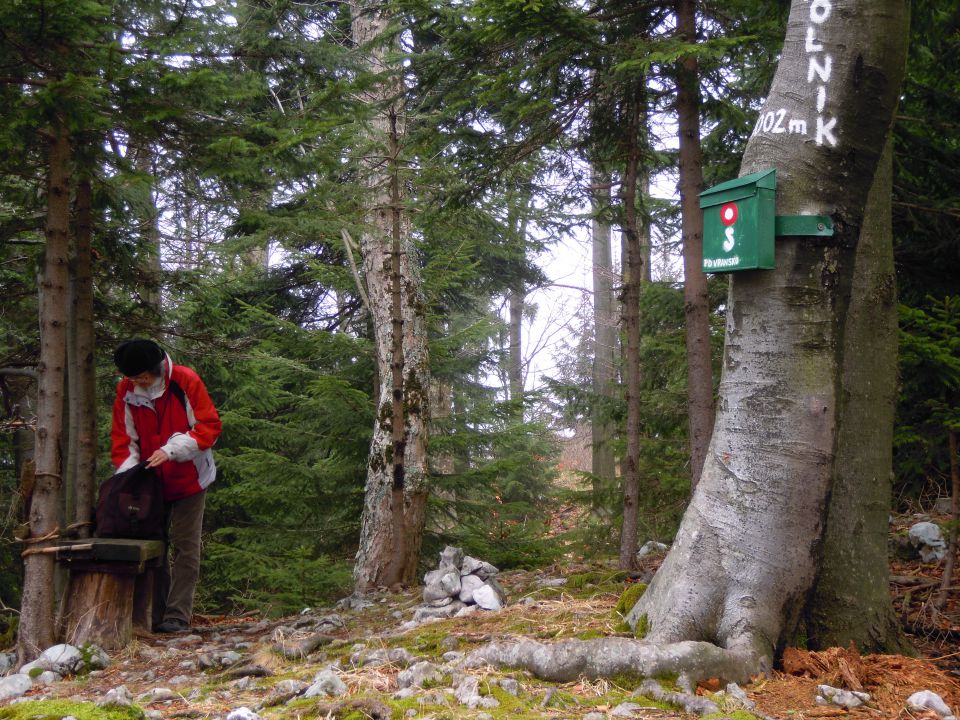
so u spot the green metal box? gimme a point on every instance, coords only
(739, 219)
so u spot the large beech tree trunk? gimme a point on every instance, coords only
(695, 300)
(37, 627)
(851, 600)
(397, 480)
(602, 428)
(752, 540)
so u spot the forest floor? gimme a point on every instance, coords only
(539, 608)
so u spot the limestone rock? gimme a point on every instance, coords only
(14, 686)
(469, 584)
(928, 539)
(118, 696)
(490, 595)
(451, 556)
(827, 695)
(929, 700)
(243, 713)
(417, 675)
(426, 613)
(326, 682)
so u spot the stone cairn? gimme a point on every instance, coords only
(461, 578)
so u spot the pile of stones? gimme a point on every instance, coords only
(462, 579)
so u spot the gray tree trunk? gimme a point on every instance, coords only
(696, 302)
(851, 599)
(751, 542)
(397, 480)
(605, 347)
(37, 605)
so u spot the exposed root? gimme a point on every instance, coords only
(300, 649)
(689, 702)
(568, 660)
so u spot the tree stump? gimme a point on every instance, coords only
(110, 591)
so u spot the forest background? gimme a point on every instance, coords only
(215, 167)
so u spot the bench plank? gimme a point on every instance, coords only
(109, 550)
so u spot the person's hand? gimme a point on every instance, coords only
(158, 458)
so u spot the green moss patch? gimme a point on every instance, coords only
(58, 709)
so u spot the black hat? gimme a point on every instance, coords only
(136, 356)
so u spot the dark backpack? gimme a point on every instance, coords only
(131, 505)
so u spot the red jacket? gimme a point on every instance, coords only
(145, 421)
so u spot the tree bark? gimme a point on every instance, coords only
(83, 371)
(37, 626)
(397, 481)
(851, 599)
(746, 555)
(632, 279)
(603, 462)
(696, 301)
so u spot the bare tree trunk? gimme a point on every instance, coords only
(851, 600)
(748, 549)
(37, 607)
(397, 480)
(632, 279)
(603, 461)
(83, 370)
(696, 302)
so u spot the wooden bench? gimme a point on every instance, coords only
(110, 590)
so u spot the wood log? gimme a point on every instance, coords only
(99, 609)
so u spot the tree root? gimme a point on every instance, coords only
(300, 650)
(607, 657)
(689, 702)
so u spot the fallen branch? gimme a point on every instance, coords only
(568, 660)
(300, 650)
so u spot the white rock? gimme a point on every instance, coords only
(451, 556)
(470, 565)
(243, 713)
(426, 613)
(229, 658)
(929, 700)
(153, 714)
(467, 691)
(47, 677)
(468, 584)
(843, 698)
(928, 537)
(119, 696)
(6, 662)
(180, 680)
(417, 675)
(326, 682)
(467, 610)
(652, 547)
(14, 686)
(487, 597)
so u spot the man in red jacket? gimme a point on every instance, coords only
(163, 415)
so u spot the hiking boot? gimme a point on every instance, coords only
(172, 626)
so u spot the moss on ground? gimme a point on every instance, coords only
(58, 709)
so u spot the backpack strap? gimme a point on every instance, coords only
(178, 393)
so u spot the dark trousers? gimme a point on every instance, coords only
(177, 576)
